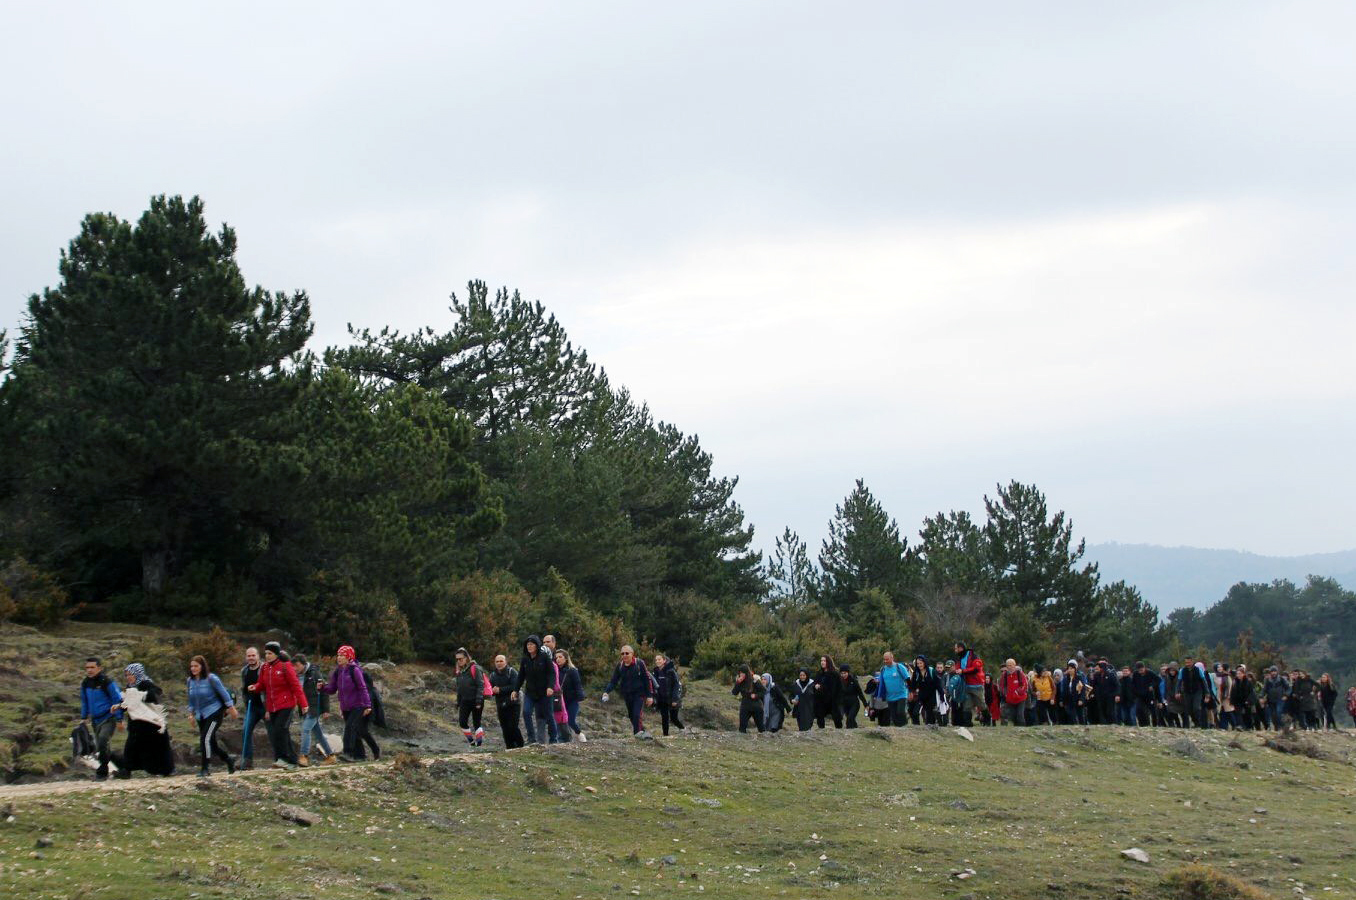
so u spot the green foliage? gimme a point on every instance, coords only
(952, 554)
(1018, 633)
(222, 652)
(791, 577)
(769, 643)
(1127, 625)
(31, 596)
(337, 610)
(151, 388)
(1034, 560)
(863, 550)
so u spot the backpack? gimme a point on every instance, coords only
(677, 688)
(82, 742)
(378, 710)
(485, 689)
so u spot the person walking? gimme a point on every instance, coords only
(355, 704)
(100, 711)
(1304, 698)
(892, 685)
(971, 669)
(1191, 692)
(633, 680)
(148, 742)
(1013, 689)
(923, 689)
(851, 698)
(749, 689)
(572, 695)
(536, 686)
(317, 708)
(1106, 687)
(282, 695)
(1073, 695)
(1275, 690)
(1043, 687)
(827, 688)
(1327, 699)
(504, 689)
(803, 700)
(254, 706)
(1351, 704)
(775, 707)
(1144, 694)
(668, 695)
(208, 703)
(470, 682)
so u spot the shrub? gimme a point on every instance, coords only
(485, 612)
(592, 638)
(337, 611)
(1206, 883)
(221, 651)
(164, 664)
(31, 596)
(769, 643)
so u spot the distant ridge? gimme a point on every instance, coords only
(1173, 577)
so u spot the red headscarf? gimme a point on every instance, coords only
(348, 651)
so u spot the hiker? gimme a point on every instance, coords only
(317, 708)
(1171, 706)
(636, 687)
(1191, 691)
(571, 695)
(208, 703)
(1224, 691)
(749, 689)
(349, 681)
(1275, 690)
(923, 687)
(536, 686)
(1351, 704)
(668, 695)
(1144, 694)
(826, 692)
(1304, 698)
(504, 687)
(851, 699)
(1043, 688)
(803, 700)
(992, 710)
(892, 685)
(471, 682)
(1106, 686)
(971, 668)
(775, 707)
(1073, 694)
(148, 742)
(955, 695)
(1244, 698)
(282, 694)
(254, 706)
(1013, 688)
(1125, 697)
(1327, 698)
(100, 711)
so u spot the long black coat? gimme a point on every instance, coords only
(802, 696)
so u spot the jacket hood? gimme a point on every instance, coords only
(531, 639)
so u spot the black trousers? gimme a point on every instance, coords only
(468, 712)
(827, 708)
(750, 712)
(280, 735)
(356, 733)
(207, 739)
(508, 724)
(668, 714)
(849, 712)
(103, 736)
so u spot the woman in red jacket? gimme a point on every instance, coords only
(282, 693)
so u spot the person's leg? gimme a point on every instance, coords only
(547, 720)
(899, 713)
(745, 714)
(529, 720)
(838, 715)
(319, 738)
(103, 739)
(282, 719)
(464, 720)
(365, 734)
(758, 718)
(664, 719)
(214, 744)
(673, 712)
(477, 716)
(850, 717)
(635, 708)
(247, 724)
(352, 749)
(204, 749)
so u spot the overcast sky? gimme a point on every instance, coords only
(1107, 250)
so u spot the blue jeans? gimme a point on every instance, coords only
(1276, 715)
(310, 728)
(253, 716)
(539, 709)
(1125, 714)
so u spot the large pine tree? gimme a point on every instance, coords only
(150, 391)
(863, 550)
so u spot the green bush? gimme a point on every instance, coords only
(337, 611)
(31, 596)
(485, 612)
(1206, 883)
(769, 643)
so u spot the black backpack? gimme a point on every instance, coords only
(82, 742)
(378, 711)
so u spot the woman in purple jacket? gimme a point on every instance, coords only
(355, 704)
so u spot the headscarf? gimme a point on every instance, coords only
(137, 671)
(767, 696)
(349, 652)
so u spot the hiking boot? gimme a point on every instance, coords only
(123, 774)
(303, 761)
(247, 764)
(279, 764)
(101, 775)
(230, 766)
(330, 760)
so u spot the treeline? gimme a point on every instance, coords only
(173, 449)
(1311, 625)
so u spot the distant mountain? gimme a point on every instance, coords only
(1173, 577)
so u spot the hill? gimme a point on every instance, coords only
(1175, 577)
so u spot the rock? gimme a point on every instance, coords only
(44, 842)
(590, 788)
(1261, 810)
(832, 865)
(959, 804)
(672, 810)
(702, 801)
(1003, 779)
(879, 734)
(1136, 854)
(669, 860)
(300, 816)
(965, 733)
(1188, 748)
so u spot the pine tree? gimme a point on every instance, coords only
(790, 575)
(863, 550)
(151, 389)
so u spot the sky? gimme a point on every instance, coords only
(935, 246)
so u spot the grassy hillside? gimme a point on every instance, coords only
(1032, 813)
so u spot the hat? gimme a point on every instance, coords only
(845, 668)
(348, 651)
(274, 646)
(1072, 662)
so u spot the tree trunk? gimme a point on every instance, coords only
(154, 570)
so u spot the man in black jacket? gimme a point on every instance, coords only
(536, 686)
(1144, 691)
(504, 686)
(1105, 687)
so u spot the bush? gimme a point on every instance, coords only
(592, 638)
(485, 612)
(221, 651)
(337, 611)
(769, 643)
(163, 661)
(31, 596)
(1205, 883)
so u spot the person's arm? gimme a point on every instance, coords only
(612, 683)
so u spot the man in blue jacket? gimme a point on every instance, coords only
(892, 686)
(98, 695)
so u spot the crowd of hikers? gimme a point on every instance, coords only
(961, 692)
(541, 697)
